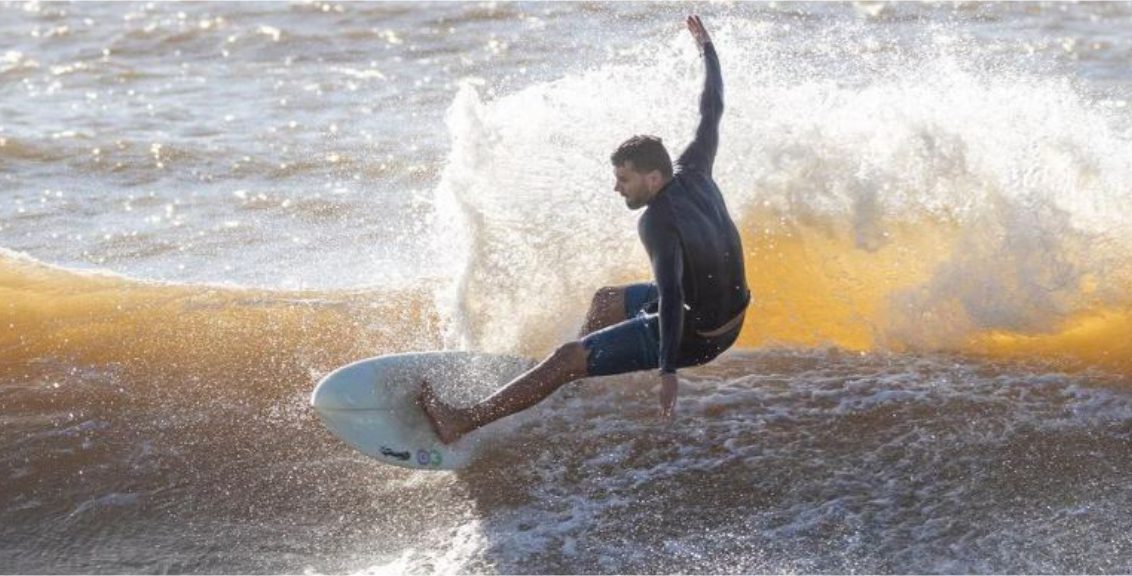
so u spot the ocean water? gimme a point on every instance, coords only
(206, 207)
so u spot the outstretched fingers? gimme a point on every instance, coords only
(696, 27)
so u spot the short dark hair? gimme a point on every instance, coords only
(647, 153)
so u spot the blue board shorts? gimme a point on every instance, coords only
(634, 345)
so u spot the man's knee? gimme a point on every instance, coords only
(569, 350)
(607, 298)
(607, 308)
(571, 355)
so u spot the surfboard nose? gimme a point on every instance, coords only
(347, 388)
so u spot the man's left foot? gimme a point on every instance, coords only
(447, 422)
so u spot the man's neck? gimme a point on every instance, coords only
(661, 189)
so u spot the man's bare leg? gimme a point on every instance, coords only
(566, 364)
(606, 309)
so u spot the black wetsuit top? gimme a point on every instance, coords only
(696, 254)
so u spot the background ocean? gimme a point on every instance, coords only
(206, 207)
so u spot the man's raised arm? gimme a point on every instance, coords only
(700, 154)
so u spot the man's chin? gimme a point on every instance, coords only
(633, 205)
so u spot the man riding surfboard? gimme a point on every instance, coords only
(689, 314)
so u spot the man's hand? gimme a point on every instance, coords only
(667, 396)
(696, 27)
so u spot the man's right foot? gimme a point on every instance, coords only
(447, 422)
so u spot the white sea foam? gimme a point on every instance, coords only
(871, 462)
(1030, 171)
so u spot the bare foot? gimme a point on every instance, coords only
(447, 422)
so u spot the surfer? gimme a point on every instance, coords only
(691, 313)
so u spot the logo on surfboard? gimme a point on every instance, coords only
(424, 457)
(428, 457)
(403, 456)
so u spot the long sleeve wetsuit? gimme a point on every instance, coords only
(694, 247)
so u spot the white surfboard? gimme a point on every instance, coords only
(371, 404)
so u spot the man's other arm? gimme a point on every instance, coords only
(700, 154)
